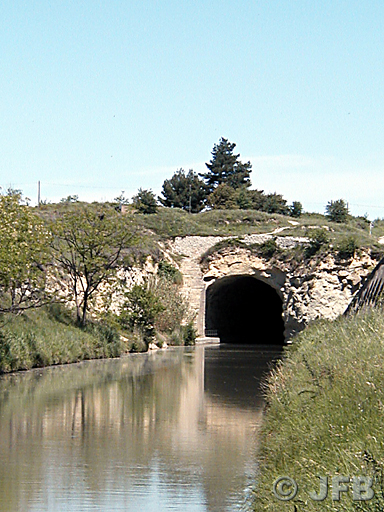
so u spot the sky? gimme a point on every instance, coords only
(99, 97)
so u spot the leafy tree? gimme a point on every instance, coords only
(225, 167)
(24, 242)
(88, 243)
(223, 198)
(337, 211)
(184, 191)
(145, 201)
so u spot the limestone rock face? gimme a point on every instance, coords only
(311, 289)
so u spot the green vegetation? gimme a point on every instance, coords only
(337, 211)
(348, 247)
(23, 254)
(318, 239)
(49, 336)
(185, 191)
(226, 168)
(155, 311)
(145, 201)
(87, 245)
(325, 413)
(72, 251)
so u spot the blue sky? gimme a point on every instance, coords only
(99, 97)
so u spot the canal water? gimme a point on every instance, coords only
(173, 430)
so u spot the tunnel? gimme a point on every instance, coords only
(244, 310)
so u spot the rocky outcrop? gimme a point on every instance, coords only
(310, 289)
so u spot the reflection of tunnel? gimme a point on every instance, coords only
(242, 309)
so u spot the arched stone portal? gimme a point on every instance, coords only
(242, 309)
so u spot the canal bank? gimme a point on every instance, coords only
(324, 416)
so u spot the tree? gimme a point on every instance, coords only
(296, 209)
(275, 203)
(247, 199)
(225, 167)
(186, 191)
(24, 243)
(223, 198)
(145, 201)
(88, 243)
(337, 211)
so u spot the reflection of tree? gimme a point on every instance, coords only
(101, 425)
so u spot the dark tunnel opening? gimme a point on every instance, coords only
(244, 310)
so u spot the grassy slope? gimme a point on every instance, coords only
(325, 413)
(172, 222)
(48, 336)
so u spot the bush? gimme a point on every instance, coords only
(189, 334)
(140, 310)
(275, 203)
(348, 247)
(268, 248)
(156, 306)
(317, 239)
(167, 271)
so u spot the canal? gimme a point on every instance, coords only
(173, 430)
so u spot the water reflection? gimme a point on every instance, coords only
(171, 430)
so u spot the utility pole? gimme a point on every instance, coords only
(190, 199)
(38, 193)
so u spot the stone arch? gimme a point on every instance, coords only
(243, 309)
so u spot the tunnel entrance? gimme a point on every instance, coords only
(244, 310)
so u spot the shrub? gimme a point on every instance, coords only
(275, 203)
(156, 306)
(169, 272)
(140, 310)
(189, 334)
(223, 198)
(317, 239)
(268, 248)
(348, 247)
(175, 306)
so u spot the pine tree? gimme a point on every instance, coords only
(186, 191)
(225, 167)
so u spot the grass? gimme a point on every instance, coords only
(325, 413)
(172, 222)
(47, 336)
